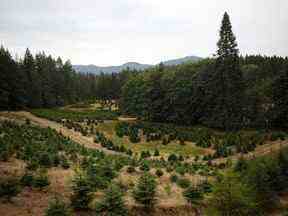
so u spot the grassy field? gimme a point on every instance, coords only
(189, 149)
(58, 114)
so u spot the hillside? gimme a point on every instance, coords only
(131, 65)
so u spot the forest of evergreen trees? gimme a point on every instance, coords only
(228, 91)
(41, 81)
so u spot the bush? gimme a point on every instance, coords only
(181, 170)
(27, 179)
(172, 158)
(9, 187)
(45, 159)
(40, 180)
(145, 166)
(193, 195)
(278, 135)
(159, 173)
(65, 163)
(183, 182)
(57, 208)
(156, 153)
(206, 187)
(130, 169)
(173, 178)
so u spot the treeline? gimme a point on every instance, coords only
(229, 91)
(41, 81)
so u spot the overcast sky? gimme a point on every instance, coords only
(112, 32)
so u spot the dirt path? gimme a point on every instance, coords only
(267, 148)
(73, 135)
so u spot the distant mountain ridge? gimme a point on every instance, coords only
(132, 65)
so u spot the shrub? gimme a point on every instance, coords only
(278, 135)
(27, 121)
(40, 180)
(169, 169)
(145, 191)
(27, 179)
(129, 152)
(57, 208)
(9, 187)
(5, 151)
(159, 173)
(156, 153)
(172, 158)
(130, 169)
(45, 159)
(193, 195)
(181, 170)
(206, 187)
(145, 154)
(183, 182)
(65, 163)
(112, 203)
(173, 178)
(145, 166)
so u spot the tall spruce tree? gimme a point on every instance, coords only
(225, 88)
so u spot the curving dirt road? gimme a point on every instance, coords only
(73, 135)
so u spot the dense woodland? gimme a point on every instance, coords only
(228, 91)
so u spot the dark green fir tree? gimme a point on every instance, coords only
(225, 88)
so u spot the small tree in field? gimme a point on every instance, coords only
(9, 187)
(82, 195)
(145, 191)
(193, 195)
(57, 208)
(230, 196)
(112, 203)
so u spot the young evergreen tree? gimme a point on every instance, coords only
(112, 203)
(82, 192)
(194, 196)
(225, 88)
(231, 196)
(57, 207)
(145, 191)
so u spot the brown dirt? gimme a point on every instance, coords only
(126, 118)
(32, 201)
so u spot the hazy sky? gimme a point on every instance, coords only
(112, 32)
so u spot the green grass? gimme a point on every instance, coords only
(57, 114)
(173, 147)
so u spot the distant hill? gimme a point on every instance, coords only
(132, 65)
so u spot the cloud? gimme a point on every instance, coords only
(114, 31)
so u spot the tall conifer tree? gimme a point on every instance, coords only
(226, 85)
